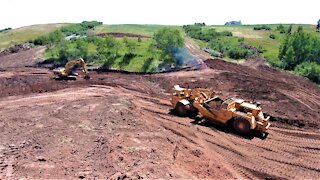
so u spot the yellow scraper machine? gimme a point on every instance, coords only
(241, 115)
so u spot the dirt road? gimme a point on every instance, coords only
(121, 126)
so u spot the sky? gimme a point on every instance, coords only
(18, 13)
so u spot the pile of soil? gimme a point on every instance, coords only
(286, 97)
(15, 49)
(27, 57)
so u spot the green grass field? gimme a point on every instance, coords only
(23, 34)
(137, 63)
(147, 30)
(261, 39)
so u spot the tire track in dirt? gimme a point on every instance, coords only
(284, 154)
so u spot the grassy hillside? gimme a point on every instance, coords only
(147, 30)
(15, 36)
(140, 62)
(261, 39)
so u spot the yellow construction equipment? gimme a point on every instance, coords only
(241, 115)
(66, 73)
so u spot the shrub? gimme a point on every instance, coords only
(256, 28)
(263, 27)
(297, 48)
(166, 39)
(300, 29)
(272, 36)
(130, 45)
(225, 33)
(241, 39)
(200, 24)
(5, 29)
(238, 53)
(219, 46)
(310, 70)
(204, 34)
(280, 27)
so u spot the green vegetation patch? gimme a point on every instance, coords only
(127, 54)
(147, 30)
(24, 34)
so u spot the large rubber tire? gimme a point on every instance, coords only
(181, 109)
(241, 125)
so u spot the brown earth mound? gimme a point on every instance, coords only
(24, 58)
(285, 96)
(15, 49)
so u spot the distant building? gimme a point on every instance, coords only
(233, 23)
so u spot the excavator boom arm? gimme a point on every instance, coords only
(71, 63)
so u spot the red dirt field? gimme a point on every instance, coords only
(120, 126)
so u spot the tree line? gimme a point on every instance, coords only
(61, 33)
(300, 52)
(5, 29)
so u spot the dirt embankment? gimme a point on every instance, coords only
(288, 98)
(27, 57)
(15, 49)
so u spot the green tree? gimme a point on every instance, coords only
(166, 39)
(280, 28)
(130, 45)
(298, 48)
(153, 50)
(289, 59)
(289, 29)
(300, 29)
(112, 46)
(310, 70)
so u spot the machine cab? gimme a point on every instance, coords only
(179, 94)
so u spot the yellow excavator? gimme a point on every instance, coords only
(66, 73)
(243, 116)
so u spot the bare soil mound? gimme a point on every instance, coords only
(285, 96)
(15, 49)
(28, 57)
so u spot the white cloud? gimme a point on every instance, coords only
(16, 13)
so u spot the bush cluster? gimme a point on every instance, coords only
(204, 34)
(300, 52)
(61, 33)
(233, 51)
(263, 27)
(5, 29)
